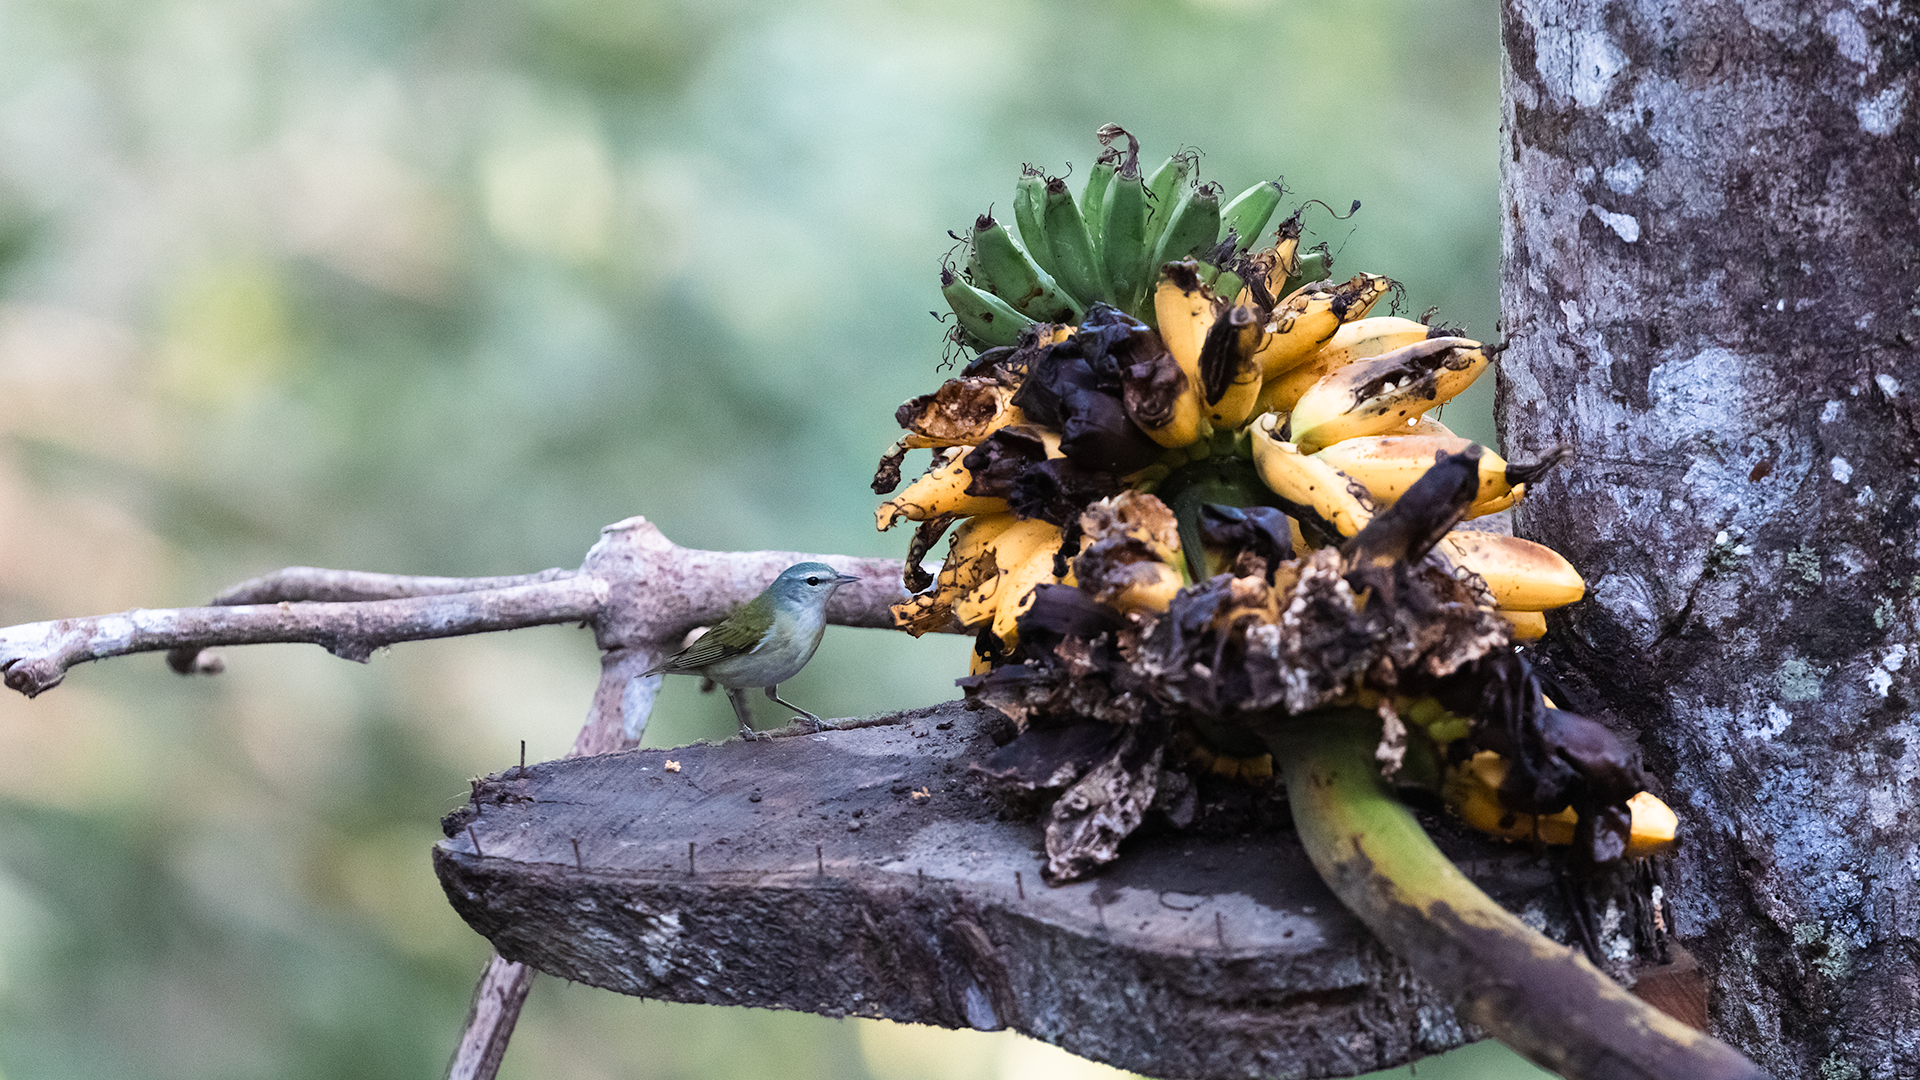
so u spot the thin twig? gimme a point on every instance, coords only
(497, 999)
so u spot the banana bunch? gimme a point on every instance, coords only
(1141, 330)
(1249, 348)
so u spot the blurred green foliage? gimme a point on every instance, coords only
(442, 288)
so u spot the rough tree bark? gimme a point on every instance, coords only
(1710, 239)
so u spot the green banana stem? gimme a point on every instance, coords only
(1540, 998)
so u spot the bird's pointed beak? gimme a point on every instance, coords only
(844, 579)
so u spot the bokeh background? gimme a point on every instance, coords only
(433, 287)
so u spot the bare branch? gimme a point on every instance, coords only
(36, 656)
(308, 584)
(638, 589)
(314, 584)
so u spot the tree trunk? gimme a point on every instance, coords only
(1710, 231)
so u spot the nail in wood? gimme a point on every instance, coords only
(1020, 885)
(523, 757)
(576, 855)
(689, 856)
(819, 860)
(476, 842)
(1220, 928)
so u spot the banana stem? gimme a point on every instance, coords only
(1540, 998)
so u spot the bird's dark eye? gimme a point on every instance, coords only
(813, 581)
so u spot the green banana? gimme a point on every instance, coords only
(1029, 215)
(984, 316)
(1075, 266)
(1247, 215)
(1016, 278)
(1094, 196)
(1312, 266)
(1163, 189)
(1193, 228)
(1123, 238)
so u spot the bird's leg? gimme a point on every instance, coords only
(806, 717)
(744, 713)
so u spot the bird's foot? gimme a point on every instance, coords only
(747, 734)
(813, 724)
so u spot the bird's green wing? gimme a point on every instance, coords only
(726, 640)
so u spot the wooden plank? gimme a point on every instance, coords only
(866, 873)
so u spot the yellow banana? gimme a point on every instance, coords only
(1185, 313)
(1524, 625)
(1379, 396)
(961, 413)
(1305, 321)
(1176, 417)
(1016, 545)
(1152, 590)
(978, 663)
(1364, 339)
(1279, 393)
(1389, 464)
(1472, 790)
(1361, 339)
(1252, 770)
(964, 570)
(1299, 538)
(1298, 325)
(1522, 575)
(1338, 498)
(972, 536)
(942, 489)
(1186, 421)
(1229, 349)
(1427, 425)
(1282, 260)
(1016, 590)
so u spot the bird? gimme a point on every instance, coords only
(764, 643)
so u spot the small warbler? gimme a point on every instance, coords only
(766, 642)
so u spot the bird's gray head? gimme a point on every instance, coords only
(807, 584)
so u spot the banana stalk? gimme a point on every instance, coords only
(1540, 998)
